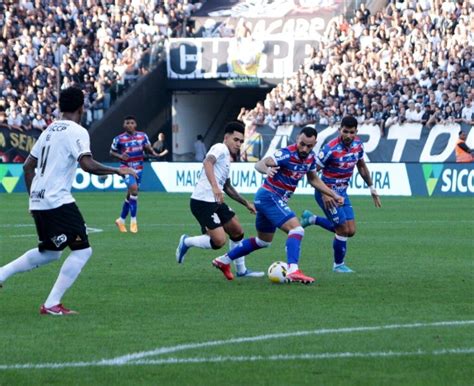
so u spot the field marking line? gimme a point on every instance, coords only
(130, 359)
(307, 356)
(250, 358)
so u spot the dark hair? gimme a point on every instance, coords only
(129, 118)
(349, 121)
(70, 100)
(199, 137)
(309, 131)
(234, 126)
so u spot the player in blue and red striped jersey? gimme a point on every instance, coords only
(284, 170)
(129, 148)
(337, 160)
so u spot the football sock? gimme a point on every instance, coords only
(29, 260)
(70, 270)
(339, 246)
(323, 222)
(240, 262)
(203, 241)
(293, 245)
(133, 205)
(247, 246)
(292, 268)
(125, 210)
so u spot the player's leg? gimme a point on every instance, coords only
(308, 218)
(213, 233)
(36, 257)
(120, 222)
(133, 190)
(73, 227)
(295, 233)
(234, 229)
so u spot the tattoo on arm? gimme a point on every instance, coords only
(232, 193)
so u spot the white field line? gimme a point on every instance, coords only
(158, 225)
(137, 358)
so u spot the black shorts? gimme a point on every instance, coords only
(61, 227)
(211, 215)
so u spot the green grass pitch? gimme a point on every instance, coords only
(406, 317)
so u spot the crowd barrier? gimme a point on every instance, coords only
(390, 179)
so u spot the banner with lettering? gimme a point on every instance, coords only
(15, 145)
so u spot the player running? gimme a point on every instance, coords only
(284, 170)
(49, 173)
(207, 201)
(129, 148)
(337, 160)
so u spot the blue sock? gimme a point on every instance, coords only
(339, 246)
(125, 209)
(133, 206)
(293, 245)
(323, 222)
(244, 248)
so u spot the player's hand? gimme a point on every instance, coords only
(329, 201)
(376, 198)
(124, 157)
(251, 207)
(125, 171)
(272, 170)
(218, 195)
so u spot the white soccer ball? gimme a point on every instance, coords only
(277, 272)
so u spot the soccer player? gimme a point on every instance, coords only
(129, 148)
(207, 201)
(284, 169)
(49, 173)
(337, 160)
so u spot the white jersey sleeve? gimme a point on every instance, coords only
(57, 151)
(203, 189)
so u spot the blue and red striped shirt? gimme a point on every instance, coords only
(133, 146)
(337, 162)
(292, 170)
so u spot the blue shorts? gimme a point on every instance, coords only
(131, 180)
(340, 214)
(272, 211)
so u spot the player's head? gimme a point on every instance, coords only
(306, 141)
(462, 135)
(130, 123)
(234, 136)
(71, 100)
(348, 129)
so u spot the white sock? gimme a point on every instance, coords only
(292, 268)
(70, 270)
(29, 260)
(133, 219)
(203, 241)
(240, 262)
(224, 259)
(122, 220)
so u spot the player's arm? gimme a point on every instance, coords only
(208, 165)
(365, 174)
(29, 171)
(116, 154)
(330, 197)
(90, 165)
(232, 193)
(267, 166)
(152, 151)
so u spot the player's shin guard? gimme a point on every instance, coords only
(133, 206)
(323, 222)
(28, 261)
(70, 270)
(247, 246)
(240, 262)
(125, 209)
(339, 246)
(293, 245)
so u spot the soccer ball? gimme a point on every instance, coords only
(277, 272)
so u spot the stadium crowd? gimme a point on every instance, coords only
(102, 46)
(411, 62)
